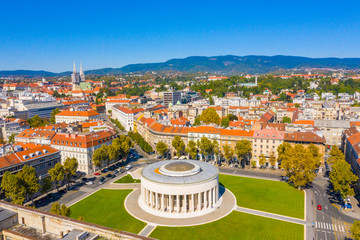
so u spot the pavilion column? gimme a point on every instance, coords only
(162, 202)
(171, 203)
(199, 202)
(186, 204)
(151, 199)
(205, 199)
(192, 203)
(178, 203)
(156, 201)
(214, 195)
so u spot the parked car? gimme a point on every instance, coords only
(116, 172)
(112, 168)
(97, 174)
(105, 170)
(128, 167)
(109, 175)
(102, 180)
(89, 183)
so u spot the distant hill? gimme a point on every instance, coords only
(229, 64)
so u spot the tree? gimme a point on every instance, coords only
(70, 167)
(80, 218)
(298, 163)
(216, 149)
(162, 148)
(100, 156)
(197, 121)
(28, 179)
(342, 177)
(53, 113)
(243, 149)
(205, 146)
(191, 149)
(314, 150)
(335, 155)
(232, 117)
(11, 139)
(225, 122)
(112, 153)
(57, 174)
(210, 115)
(65, 211)
(45, 185)
(211, 100)
(179, 145)
(283, 150)
(60, 210)
(286, 120)
(37, 121)
(10, 184)
(355, 230)
(228, 153)
(297, 105)
(55, 208)
(272, 159)
(262, 160)
(253, 164)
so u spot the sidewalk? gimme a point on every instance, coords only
(354, 212)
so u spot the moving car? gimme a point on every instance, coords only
(319, 207)
(96, 174)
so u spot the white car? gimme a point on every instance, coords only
(128, 167)
(89, 183)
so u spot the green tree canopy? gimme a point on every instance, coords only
(228, 152)
(191, 149)
(286, 120)
(70, 167)
(53, 113)
(225, 122)
(179, 145)
(355, 230)
(243, 148)
(162, 148)
(57, 174)
(12, 138)
(210, 115)
(335, 155)
(341, 177)
(197, 121)
(298, 163)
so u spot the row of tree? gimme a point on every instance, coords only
(205, 147)
(106, 154)
(141, 142)
(117, 123)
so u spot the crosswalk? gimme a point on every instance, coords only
(330, 226)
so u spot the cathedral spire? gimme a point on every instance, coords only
(74, 71)
(81, 70)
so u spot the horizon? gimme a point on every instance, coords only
(77, 66)
(50, 35)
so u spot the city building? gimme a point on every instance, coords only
(82, 146)
(125, 116)
(72, 115)
(171, 98)
(41, 157)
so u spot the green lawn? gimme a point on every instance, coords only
(265, 195)
(127, 179)
(236, 225)
(106, 207)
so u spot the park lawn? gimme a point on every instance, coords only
(265, 195)
(106, 207)
(127, 179)
(236, 225)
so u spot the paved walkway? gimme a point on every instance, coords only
(123, 186)
(147, 230)
(227, 206)
(270, 215)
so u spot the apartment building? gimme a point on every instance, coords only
(332, 130)
(82, 146)
(125, 116)
(41, 157)
(72, 115)
(266, 141)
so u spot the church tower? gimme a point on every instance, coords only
(82, 75)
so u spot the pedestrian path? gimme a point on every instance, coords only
(271, 215)
(147, 230)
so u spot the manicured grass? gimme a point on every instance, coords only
(106, 208)
(265, 195)
(236, 225)
(127, 179)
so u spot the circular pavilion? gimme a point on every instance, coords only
(179, 188)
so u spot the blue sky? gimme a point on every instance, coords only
(50, 35)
